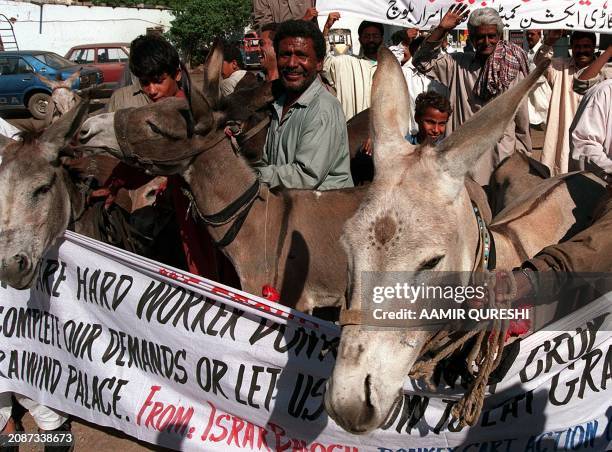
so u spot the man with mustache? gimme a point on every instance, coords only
(561, 75)
(352, 76)
(307, 141)
(600, 69)
(474, 78)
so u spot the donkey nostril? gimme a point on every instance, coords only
(22, 261)
(368, 391)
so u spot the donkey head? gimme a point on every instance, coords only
(171, 127)
(35, 203)
(63, 99)
(417, 216)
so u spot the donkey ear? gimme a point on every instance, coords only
(202, 111)
(50, 83)
(389, 115)
(462, 149)
(212, 73)
(70, 80)
(63, 130)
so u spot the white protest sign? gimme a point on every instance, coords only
(186, 363)
(590, 15)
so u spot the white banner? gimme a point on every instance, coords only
(186, 363)
(590, 15)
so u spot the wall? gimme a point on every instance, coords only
(66, 26)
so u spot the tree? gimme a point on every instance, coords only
(198, 22)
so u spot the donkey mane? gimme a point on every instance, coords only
(29, 135)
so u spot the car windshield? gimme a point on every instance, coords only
(54, 60)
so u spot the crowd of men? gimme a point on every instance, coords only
(575, 128)
(307, 144)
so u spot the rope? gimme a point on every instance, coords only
(484, 356)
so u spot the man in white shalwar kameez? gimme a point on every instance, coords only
(591, 131)
(564, 100)
(539, 98)
(351, 76)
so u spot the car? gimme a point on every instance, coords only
(110, 58)
(19, 86)
(251, 50)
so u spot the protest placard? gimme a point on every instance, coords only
(591, 15)
(180, 361)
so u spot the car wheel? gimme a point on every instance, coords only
(38, 104)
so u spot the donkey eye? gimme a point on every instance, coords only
(164, 133)
(43, 188)
(431, 263)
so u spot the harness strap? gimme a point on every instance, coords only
(350, 317)
(234, 229)
(229, 212)
(485, 250)
(255, 129)
(238, 138)
(237, 211)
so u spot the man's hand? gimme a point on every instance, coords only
(331, 20)
(311, 13)
(553, 36)
(507, 288)
(268, 62)
(454, 16)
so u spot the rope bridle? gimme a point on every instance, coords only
(238, 138)
(238, 210)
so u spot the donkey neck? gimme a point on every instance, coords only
(77, 198)
(218, 177)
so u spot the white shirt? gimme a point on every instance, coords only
(228, 85)
(539, 96)
(351, 77)
(531, 55)
(591, 131)
(7, 129)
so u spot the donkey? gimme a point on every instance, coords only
(63, 98)
(418, 216)
(286, 238)
(39, 199)
(46, 191)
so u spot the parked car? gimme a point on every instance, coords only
(251, 50)
(19, 87)
(110, 58)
